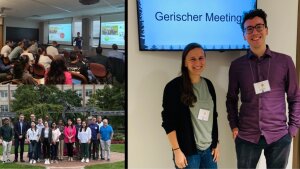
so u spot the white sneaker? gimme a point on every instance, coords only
(56, 161)
(45, 161)
(87, 160)
(82, 160)
(48, 161)
(52, 161)
(71, 158)
(34, 162)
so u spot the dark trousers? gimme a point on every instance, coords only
(70, 149)
(33, 150)
(54, 148)
(39, 150)
(19, 142)
(95, 151)
(29, 151)
(46, 148)
(84, 150)
(276, 153)
(77, 145)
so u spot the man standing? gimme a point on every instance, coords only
(20, 129)
(94, 140)
(32, 118)
(78, 41)
(263, 77)
(6, 135)
(77, 144)
(100, 124)
(106, 134)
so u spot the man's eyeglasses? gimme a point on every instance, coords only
(259, 27)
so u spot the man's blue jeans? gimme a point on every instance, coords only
(203, 159)
(276, 153)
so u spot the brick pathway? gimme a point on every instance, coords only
(76, 164)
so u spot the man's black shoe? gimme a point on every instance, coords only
(15, 161)
(22, 161)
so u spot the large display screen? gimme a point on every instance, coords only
(112, 33)
(172, 24)
(62, 33)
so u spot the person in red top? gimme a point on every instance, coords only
(70, 133)
(58, 72)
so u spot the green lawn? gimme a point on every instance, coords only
(120, 148)
(117, 165)
(18, 166)
(13, 149)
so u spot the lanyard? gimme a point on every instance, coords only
(253, 73)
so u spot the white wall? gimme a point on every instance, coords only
(148, 72)
(21, 23)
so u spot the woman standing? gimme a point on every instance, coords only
(189, 113)
(70, 133)
(32, 137)
(55, 142)
(84, 137)
(46, 138)
(61, 144)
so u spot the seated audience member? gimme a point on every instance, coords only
(26, 52)
(99, 58)
(52, 50)
(33, 47)
(44, 59)
(4, 70)
(21, 72)
(16, 52)
(115, 53)
(6, 49)
(77, 66)
(58, 72)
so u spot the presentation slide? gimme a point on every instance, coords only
(171, 25)
(112, 33)
(62, 33)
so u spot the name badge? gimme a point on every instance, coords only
(262, 87)
(203, 115)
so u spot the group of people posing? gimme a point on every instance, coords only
(47, 140)
(263, 79)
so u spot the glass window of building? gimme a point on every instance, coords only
(3, 108)
(88, 92)
(96, 33)
(3, 93)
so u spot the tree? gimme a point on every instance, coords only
(108, 99)
(43, 99)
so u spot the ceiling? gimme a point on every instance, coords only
(55, 9)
